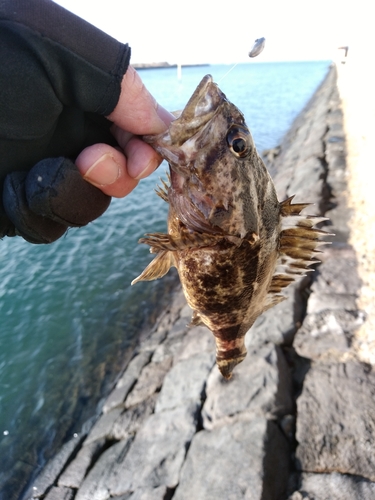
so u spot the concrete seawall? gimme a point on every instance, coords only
(297, 420)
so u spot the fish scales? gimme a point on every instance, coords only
(235, 246)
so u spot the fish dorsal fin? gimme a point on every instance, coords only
(157, 268)
(298, 247)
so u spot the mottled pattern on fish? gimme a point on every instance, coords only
(234, 245)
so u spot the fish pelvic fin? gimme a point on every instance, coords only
(157, 268)
(196, 319)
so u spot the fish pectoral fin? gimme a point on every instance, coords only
(157, 268)
(183, 241)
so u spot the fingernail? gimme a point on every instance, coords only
(164, 115)
(104, 171)
(151, 166)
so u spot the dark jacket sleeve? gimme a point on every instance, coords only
(57, 74)
(59, 78)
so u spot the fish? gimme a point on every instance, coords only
(235, 246)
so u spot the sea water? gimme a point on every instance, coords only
(69, 319)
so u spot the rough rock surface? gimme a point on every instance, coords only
(297, 420)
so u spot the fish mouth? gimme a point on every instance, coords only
(200, 109)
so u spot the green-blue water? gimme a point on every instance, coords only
(69, 318)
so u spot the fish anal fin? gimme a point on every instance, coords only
(157, 268)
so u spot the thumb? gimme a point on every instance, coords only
(137, 111)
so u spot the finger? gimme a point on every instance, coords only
(142, 160)
(105, 167)
(137, 110)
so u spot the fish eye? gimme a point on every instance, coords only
(239, 141)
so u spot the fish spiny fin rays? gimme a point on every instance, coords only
(299, 242)
(162, 191)
(185, 240)
(157, 268)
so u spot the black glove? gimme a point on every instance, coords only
(59, 78)
(42, 203)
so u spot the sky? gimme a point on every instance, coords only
(209, 31)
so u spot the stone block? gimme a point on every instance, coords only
(260, 385)
(333, 486)
(58, 493)
(103, 426)
(127, 380)
(245, 460)
(53, 469)
(197, 340)
(327, 330)
(73, 475)
(95, 486)
(185, 382)
(337, 274)
(336, 420)
(149, 381)
(168, 349)
(278, 324)
(158, 493)
(156, 454)
(130, 420)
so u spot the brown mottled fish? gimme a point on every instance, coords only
(234, 245)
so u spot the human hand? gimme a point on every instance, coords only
(43, 202)
(117, 172)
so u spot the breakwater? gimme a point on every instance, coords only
(297, 419)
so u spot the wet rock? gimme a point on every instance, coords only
(245, 460)
(261, 385)
(74, 474)
(57, 493)
(127, 381)
(157, 453)
(336, 420)
(103, 427)
(95, 485)
(53, 469)
(333, 486)
(185, 382)
(149, 381)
